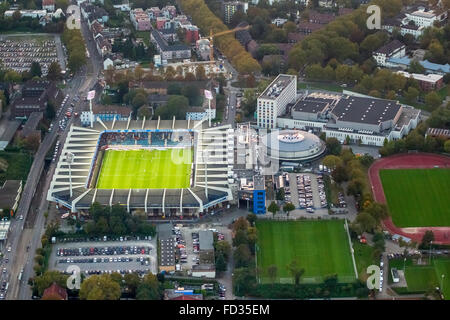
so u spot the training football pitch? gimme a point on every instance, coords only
(320, 247)
(145, 169)
(424, 278)
(417, 197)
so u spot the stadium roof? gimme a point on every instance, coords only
(210, 181)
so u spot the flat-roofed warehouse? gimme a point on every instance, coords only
(363, 119)
(365, 114)
(208, 187)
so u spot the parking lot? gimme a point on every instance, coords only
(306, 191)
(106, 256)
(17, 53)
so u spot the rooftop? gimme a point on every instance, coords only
(390, 48)
(206, 240)
(422, 77)
(277, 86)
(162, 43)
(365, 110)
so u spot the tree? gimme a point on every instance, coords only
(355, 187)
(242, 256)
(35, 69)
(221, 264)
(240, 238)
(411, 95)
(272, 271)
(100, 287)
(240, 224)
(280, 194)
(333, 146)
(32, 142)
(433, 100)
(378, 237)
(251, 218)
(176, 106)
(144, 111)
(288, 207)
(295, 271)
(332, 161)
(274, 208)
(42, 282)
(224, 248)
(50, 110)
(54, 71)
(200, 73)
(365, 221)
(447, 146)
(427, 239)
(132, 282)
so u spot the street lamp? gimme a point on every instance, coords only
(69, 158)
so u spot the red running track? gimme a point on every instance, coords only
(408, 161)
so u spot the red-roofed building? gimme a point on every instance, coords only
(54, 292)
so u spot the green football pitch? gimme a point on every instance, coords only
(320, 247)
(424, 278)
(417, 197)
(145, 169)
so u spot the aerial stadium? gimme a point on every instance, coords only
(170, 168)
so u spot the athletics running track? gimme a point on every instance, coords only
(408, 161)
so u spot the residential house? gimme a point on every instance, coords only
(394, 49)
(427, 82)
(169, 52)
(34, 97)
(140, 20)
(54, 292)
(230, 8)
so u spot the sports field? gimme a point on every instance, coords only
(320, 247)
(417, 197)
(145, 169)
(424, 278)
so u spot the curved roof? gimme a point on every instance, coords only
(291, 140)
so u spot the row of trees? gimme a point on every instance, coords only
(115, 220)
(76, 49)
(383, 83)
(227, 44)
(103, 287)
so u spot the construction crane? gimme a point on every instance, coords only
(211, 36)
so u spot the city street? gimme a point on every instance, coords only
(25, 239)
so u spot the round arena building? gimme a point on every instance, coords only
(292, 145)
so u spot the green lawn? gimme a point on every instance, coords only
(442, 267)
(420, 278)
(417, 197)
(363, 258)
(142, 169)
(320, 247)
(18, 165)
